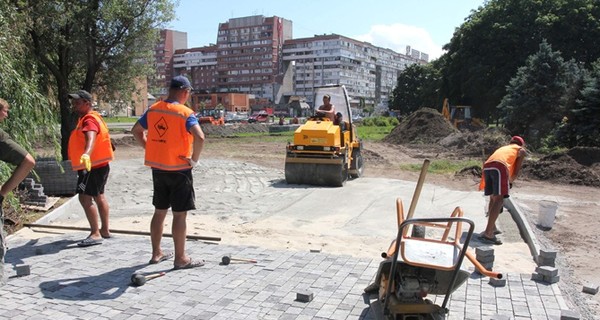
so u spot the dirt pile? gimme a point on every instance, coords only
(423, 126)
(578, 166)
(428, 127)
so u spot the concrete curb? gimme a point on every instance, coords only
(517, 214)
(71, 205)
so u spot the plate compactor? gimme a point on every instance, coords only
(422, 263)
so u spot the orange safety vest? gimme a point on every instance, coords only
(506, 155)
(168, 137)
(102, 153)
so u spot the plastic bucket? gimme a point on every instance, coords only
(547, 213)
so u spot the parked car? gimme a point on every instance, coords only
(261, 116)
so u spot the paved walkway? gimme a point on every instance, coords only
(68, 282)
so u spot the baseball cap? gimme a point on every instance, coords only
(181, 82)
(518, 140)
(81, 94)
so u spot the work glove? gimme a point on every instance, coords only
(86, 161)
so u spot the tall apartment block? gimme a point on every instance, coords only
(199, 65)
(169, 42)
(257, 55)
(369, 73)
(249, 55)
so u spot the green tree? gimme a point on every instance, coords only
(32, 116)
(100, 46)
(584, 119)
(417, 87)
(534, 103)
(495, 40)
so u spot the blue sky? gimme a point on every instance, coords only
(425, 25)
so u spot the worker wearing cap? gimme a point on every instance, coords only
(90, 152)
(499, 172)
(173, 144)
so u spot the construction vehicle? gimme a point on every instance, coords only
(422, 263)
(460, 116)
(323, 152)
(211, 116)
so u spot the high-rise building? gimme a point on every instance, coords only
(369, 73)
(200, 65)
(169, 42)
(249, 55)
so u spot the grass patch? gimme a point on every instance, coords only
(373, 133)
(120, 119)
(442, 166)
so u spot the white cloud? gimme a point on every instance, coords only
(397, 36)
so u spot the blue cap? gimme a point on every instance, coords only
(181, 82)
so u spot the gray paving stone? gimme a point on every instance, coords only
(95, 284)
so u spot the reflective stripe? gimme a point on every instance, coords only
(166, 167)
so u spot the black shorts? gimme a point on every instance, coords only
(173, 189)
(92, 182)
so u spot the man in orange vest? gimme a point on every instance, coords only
(499, 172)
(173, 144)
(90, 151)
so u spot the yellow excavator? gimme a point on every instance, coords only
(460, 116)
(324, 152)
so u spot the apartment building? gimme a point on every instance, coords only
(199, 65)
(256, 55)
(168, 43)
(369, 73)
(249, 55)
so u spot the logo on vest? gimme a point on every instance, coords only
(161, 126)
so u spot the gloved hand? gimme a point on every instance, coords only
(87, 162)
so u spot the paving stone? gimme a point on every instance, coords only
(590, 288)
(544, 253)
(547, 271)
(569, 315)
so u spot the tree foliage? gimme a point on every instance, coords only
(418, 86)
(31, 117)
(534, 101)
(97, 45)
(486, 51)
(582, 124)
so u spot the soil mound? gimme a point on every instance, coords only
(576, 166)
(423, 126)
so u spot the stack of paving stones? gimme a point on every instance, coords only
(34, 193)
(485, 256)
(547, 258)
(548, 273)
(58, 179)
(546, 270)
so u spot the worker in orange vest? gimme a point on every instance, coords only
(173, 144)
(90, 152)
(499, 172)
